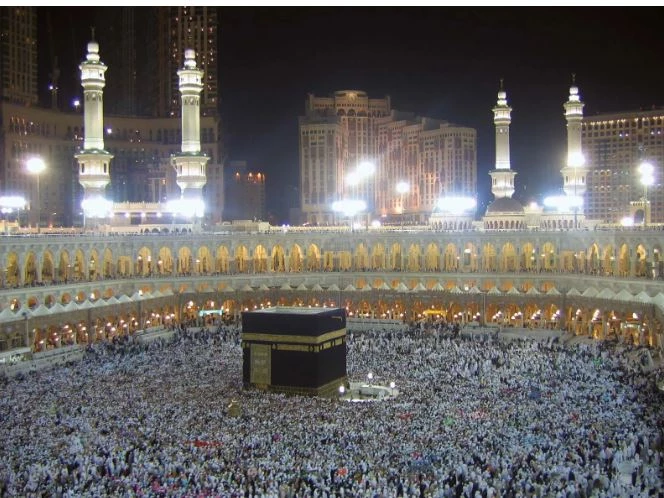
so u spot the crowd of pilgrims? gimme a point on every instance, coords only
(471, 418)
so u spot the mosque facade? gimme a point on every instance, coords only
(603, 283)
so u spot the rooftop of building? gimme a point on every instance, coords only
(504, 205)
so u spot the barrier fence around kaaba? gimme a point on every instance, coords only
(294, 350)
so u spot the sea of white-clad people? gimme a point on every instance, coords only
(472, 419)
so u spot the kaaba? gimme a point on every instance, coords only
(294, 350)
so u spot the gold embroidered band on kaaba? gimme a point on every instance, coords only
(294, 339)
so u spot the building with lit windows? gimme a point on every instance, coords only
(348, 132)
(18, 55)
(140, 171)
(181, 28)
(245, 194)
(141, 144)
(614, 145)
(431, 158)
(336, 134)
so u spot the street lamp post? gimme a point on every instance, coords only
(402, 188)
(36, 166)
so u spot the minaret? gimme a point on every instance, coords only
(94, 171)
(502, 178)
(574, 173)
(190, 163)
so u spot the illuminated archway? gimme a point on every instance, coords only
(313, 258)
(378, 257)
(242, 259)
(222, 260)
(278, 259)
(260, 259)
(295, 260)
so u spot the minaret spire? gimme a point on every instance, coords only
(190, 164)
(574, 172)
(502, 178)
(94, 171)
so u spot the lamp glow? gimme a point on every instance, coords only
(576, 160)
(97, 207)
(12, 202)
(647, 170)
(189, 208)
(627, 221)
(352, 178)
(349, 207)
(403, 188)
(456, 204)
(563, 203)
(35, 165)
(365, 169)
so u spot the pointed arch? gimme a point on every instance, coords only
(378, 257)
(143, 261)
(165, 264)
(345, 261)
(48, 267)
(509, 257)
(93, 265)
(593, 258)
(432, 257)
(548, 256)
(203, 260)
(107, 267)
(451, 258)
(608, 260)
(278, 259)
(30, 268)
(313, 258)
(361, 257)
(328, 261)
(640, 261)
(414, 256)
(242, 259)
(295, 260)
(489, 257)
(222, 260)
(395, 257)
(260, 259)
(528, 258)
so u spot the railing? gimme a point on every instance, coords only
(44, 360)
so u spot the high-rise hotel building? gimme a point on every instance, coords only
(145, 47)
(340, 133)
(18, 55)
(337, 134)
(182, 28)
(433, 158)
(614, 145)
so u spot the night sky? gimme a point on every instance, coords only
(439, 62)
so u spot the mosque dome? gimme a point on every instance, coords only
(505, 205)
